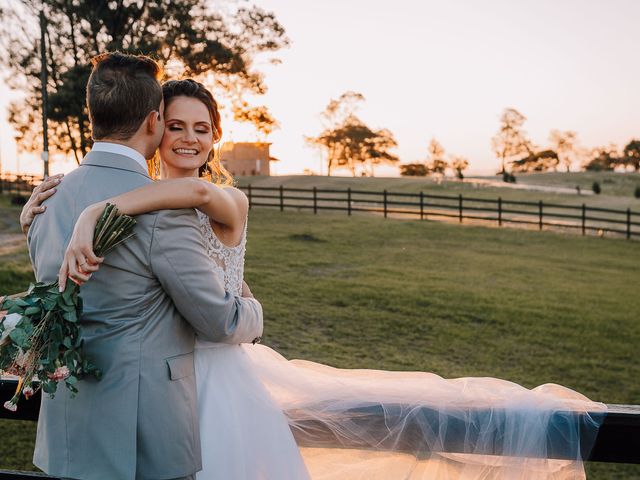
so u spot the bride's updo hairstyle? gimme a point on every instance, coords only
(212, 169)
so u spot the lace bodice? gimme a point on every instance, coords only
(229, 261)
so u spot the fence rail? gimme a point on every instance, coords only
(18, 184)
(581, 218)
(618, 439)
(541, 215)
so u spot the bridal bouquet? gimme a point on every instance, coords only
(40, 336)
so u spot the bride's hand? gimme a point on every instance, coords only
(79, 260)
(34, 205)
(246, 291)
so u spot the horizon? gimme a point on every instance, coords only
(443, 70)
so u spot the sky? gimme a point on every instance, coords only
(444, 69)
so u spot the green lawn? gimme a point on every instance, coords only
(366, 292)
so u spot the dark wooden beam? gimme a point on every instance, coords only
(618, 439)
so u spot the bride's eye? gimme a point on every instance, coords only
(173, 128)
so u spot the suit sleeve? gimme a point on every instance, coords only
(178, 259)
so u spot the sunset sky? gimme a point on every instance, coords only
(445, 69)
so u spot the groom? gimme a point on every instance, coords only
(142, 309)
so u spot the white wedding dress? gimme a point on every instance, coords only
(244, 434)
(265, 417)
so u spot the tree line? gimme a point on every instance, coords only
(214, 43)
(219, 44)
(517, 153)
(348, 142)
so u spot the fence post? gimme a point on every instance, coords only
(628, 223)
(421, 205)
(349, 201)
(281, 198)
(499, 211)
(584, 219)
(385, 204)
(315, 200)
(460, 207)
(540, 214)
(250, 199)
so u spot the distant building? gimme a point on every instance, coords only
(246, 158)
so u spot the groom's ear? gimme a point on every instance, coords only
(154, 122)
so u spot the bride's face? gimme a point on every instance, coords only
(188, 137)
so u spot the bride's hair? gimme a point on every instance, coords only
(212, 168)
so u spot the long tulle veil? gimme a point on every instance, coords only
(371, 424)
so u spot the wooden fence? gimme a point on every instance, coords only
(18, 184)
(540, 215)
(618, 439)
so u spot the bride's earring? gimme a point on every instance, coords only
(156, 169)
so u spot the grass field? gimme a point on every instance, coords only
(366, 292)
(617, 188)
(612, 183)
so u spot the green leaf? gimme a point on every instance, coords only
(69, 290)
(15, 309)
(49, 303)
(49, 386)
(70, 316)
(20, 338)
(27, 325)
(32, 311)
(64, 305)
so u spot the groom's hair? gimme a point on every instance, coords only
(121, 92)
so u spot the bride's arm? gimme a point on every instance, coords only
(215, 201)
(222, 205)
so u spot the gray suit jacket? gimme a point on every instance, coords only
(142, 310)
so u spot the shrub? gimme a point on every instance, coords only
(414, 170)
(637, 192)
(508, 177)
(596, 188)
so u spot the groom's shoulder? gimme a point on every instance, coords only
(174, 220)
(175, 229)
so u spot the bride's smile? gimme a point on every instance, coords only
(188, 137)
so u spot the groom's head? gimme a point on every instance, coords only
(124, 98)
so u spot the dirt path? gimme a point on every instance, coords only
(11, 243)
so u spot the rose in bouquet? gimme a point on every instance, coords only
(40, 335)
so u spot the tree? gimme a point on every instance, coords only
(542, 161)
(377, 148)
(459, 165)
(186, 36)
(511, 141)
(603, 159)
(436, 162)
(564, 143)
(632, 154)
(259, 116)
(348, 141)
(340, 110)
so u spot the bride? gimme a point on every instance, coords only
(278, 419)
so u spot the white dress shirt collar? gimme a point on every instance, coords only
(120, 150)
